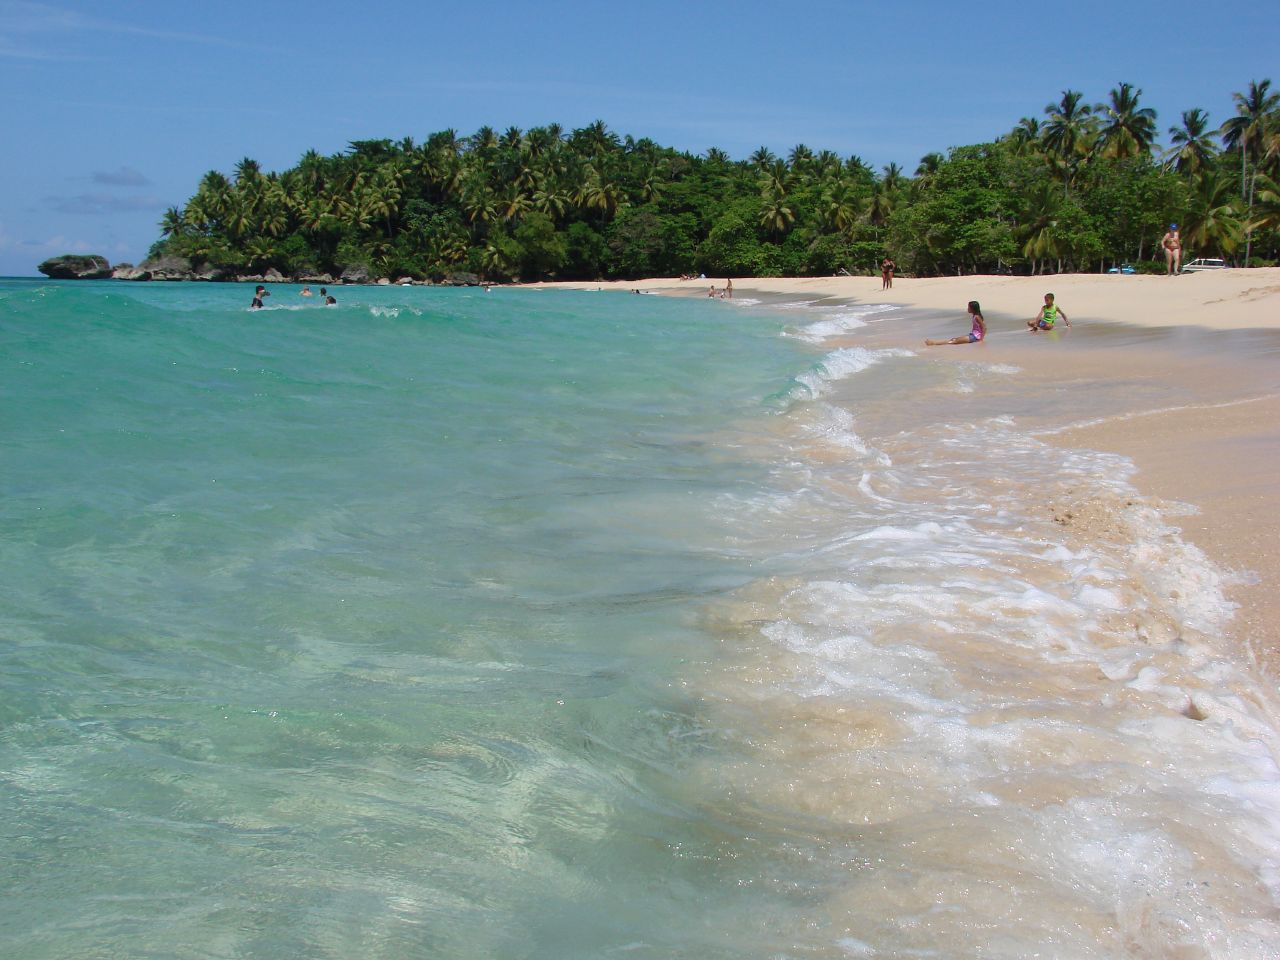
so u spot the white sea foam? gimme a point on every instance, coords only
(1005, 623)
(843, 363)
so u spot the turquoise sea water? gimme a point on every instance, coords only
(546, 625)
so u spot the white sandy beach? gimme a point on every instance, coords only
(1216, 332)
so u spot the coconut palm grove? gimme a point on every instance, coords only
(1082, 188)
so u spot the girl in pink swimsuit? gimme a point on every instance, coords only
(976, 332)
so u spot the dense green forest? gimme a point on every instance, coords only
(1085, 187)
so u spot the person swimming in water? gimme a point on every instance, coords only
(1048, 316)
(259, 292)
(976, 333)
(1172, 243)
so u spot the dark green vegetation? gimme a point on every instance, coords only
(1083, 188)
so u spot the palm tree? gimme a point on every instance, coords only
(553, 201)
(841, 206)
(173, 223)
(1068, 132)
(775, 215)
(1025, 136)
(762, 157)
(1039, 219)
(1255, 117)
(718, 158)
(800, 160)
(775, 178)
(1266, 215)
(1213, 218)
(1193, 150)
(596, 140)
(1127, 130)
(512, 138)
(247, 170)
(892, 179)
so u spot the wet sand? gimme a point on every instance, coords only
(1209, 340)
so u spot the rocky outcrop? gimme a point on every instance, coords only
(460, 279)
(74, 266)
(168, 268)
(127, 271)
(322, 278)
(273, 276)
(355, 274)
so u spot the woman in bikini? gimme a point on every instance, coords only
(1172, 244)
(976, 332)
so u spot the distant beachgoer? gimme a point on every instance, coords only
(1172, 243)
(306, 292)
(1048, 316)
(329, 301)
(712, 291)
(887, 266)
(976, 333)
(259, 292)
(728, 288)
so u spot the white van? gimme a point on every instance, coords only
(1204, 263)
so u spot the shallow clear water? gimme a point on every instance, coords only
(532, 624)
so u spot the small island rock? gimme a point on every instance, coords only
(74, 266)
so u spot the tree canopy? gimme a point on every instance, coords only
(1086, 186)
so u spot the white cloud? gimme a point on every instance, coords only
(98, 204)
(124, 177)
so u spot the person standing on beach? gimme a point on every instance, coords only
(887, 266)
(728, 289)
(976, 333)
(1048, 316)
(1172, 243)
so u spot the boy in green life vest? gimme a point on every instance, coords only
(1049, 315)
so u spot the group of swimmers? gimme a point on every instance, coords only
(260, 291)
(1045, 319)
(725, 294)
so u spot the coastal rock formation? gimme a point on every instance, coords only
(168, 268)
(273, 276)
(127, 271)
(73, 266)
(355, 274)
(322, 278)
(460, 279)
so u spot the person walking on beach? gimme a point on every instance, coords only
(1048, 316)
(258, 293)
(1172, 243)
(887, 266)
(728, 289)
(976, 333)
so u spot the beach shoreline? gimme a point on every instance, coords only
(1216, 335)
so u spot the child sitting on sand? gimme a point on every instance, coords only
(976, 333)
(1047, 316)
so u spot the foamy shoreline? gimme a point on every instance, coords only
(1220, 452)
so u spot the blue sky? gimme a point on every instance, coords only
(112, 112)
